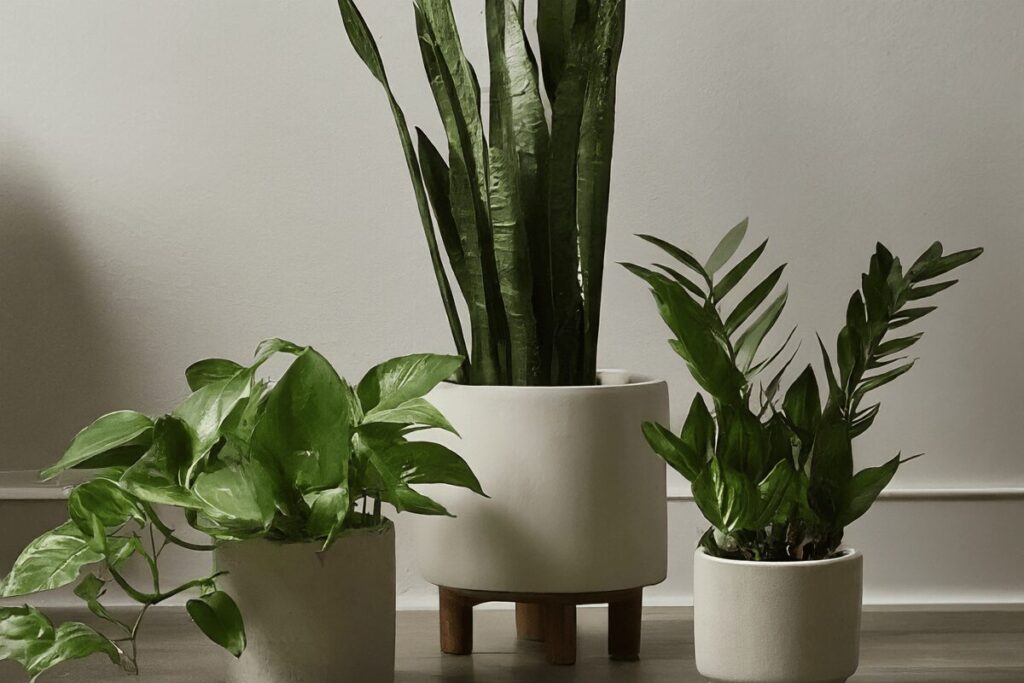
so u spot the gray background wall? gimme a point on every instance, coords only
(179, 180)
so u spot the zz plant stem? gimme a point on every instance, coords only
(521, 207)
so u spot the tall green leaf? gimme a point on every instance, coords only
(362, 41)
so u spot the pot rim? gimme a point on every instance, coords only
(634, 380)
(845, 555)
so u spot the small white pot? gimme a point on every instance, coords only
(312, 617)
(577, 497)
(777, 622)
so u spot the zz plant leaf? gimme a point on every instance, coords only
(776, 478)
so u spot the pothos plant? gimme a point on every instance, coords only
(522, 210)
(772, 470)
(307, 459)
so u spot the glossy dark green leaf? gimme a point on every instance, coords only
(159, 476)
(217, 616)
(205, 410)
(925, 291)
(749, 342)
(105, 500)
(436, 181)
(555, 19)
(681, 457)
(896, 345)
(831, 466)
(864, 489)
(909, 315)
(53, 560)
(742, 443)
(210, 370)
(944, 264)
(699, 429)
(726, 498)
(303, 436)
(416, 411)
(830, 375)
(802, 407)
(863, 420)
(775, 492)
(748, 304)
(423, 462)
(876, 381)
(736, 274)
(114, 430)
(29, 638)
(679, 254)
(685, 282)
(725, 249)
(398, 380)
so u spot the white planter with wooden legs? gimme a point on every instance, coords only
(312, 617)
(777, 622)
(577, 512)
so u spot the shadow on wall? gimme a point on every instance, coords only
(56, 366)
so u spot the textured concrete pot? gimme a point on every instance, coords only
(577, 497)
(777, 622)
(312, 617)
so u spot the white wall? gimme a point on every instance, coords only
(182, 179)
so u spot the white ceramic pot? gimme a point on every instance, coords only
(777, 622)
(312, 617)
(577, 497)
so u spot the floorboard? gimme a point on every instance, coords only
(917, 646)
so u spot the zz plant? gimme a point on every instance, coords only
(522, 209)
(307, 459)
(772, 470)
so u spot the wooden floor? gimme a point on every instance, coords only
(898, 647)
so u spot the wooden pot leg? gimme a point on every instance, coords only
(456, 623)
(559, 632)
(624, 623)
(529, 625)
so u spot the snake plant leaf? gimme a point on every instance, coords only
(53, 560)
(865, 488)
(210, 370)
(104, 500)
(397, 380)
(679, 254)
(775, 491)
(703, 350)
(362, 41)
(112, 432)
(511, 254)
(159, 476)
(726, 498)
(423, 462)
(681, 457)
(555, 19)
(218, 617)
(594, 169)
(737, 272)
(566, 119)
(436, 180)
(750, 340)
(303, 435)
(415, 411)
(725, 249)
(468, 197)
(30, 639)
(750, 303)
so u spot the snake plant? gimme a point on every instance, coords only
(308, 459)
(522, 208)
(773, 470)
